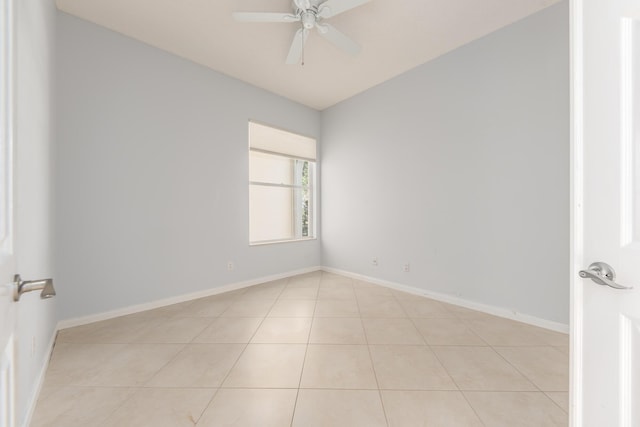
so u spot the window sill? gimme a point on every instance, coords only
(274, 242)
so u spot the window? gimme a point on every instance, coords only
(281, 185)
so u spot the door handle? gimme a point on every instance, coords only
(603, 274)
(24, 286)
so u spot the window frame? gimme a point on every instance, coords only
(311, 188)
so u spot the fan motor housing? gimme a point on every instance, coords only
(309, 19)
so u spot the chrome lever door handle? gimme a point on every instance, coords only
(23, 286)
(603, 274)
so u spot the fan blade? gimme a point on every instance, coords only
(264, 17)
(330, 33)
(295, 52)
(335, 7)
(302, 4)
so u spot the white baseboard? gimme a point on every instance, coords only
(485, 308)
(39, 381)
(78, 321)
(496, 311)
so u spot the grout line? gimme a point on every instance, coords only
(546, 393)
(245, 348)
(516, 368)
(304, 359)
(466, 399)
(117, 408)
(215, 393)
(373, 368)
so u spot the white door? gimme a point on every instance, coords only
(606, 178)
(7, 258)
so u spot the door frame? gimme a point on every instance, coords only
(576, 191)
(8, 415)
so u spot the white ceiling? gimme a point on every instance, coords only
(395, 35)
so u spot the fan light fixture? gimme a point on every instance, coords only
(310, 13)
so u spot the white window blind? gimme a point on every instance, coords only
(276, 141)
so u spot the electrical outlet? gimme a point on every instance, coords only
(230, 266)
(374, 261)
(406, 267)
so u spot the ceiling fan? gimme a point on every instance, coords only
(310, 13)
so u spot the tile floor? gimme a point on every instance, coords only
(313, 350)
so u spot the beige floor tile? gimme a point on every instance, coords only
(370, 289)
(481, 368)
(380, 306)
(249, 308)
(516, 409)
(123, 329)
(198, 365)
(338, 367)
(563, 349)
(405, 296)
(336, 282)
(337, 330)
(133, 365)
(73, 364)
(546, 367)
(438, 331)
(561, 398)
(229, 330)
(391, 331)
(428, 408)
(337, 308)
(467, 313)
(279, 283)
(378, 291)
(176, 330)
(551, 338)
(425, 307)
(78, 406)
(293, 308)
(305, 279)
(505, 332)
(268, 366)
(212, 306)
(339, 408)
(337, 293)
(270, 293)
(408, 367)
(283, 330)
(155, 407)
(305, 293)
(250, 408)
(302, 284)
(169, 310)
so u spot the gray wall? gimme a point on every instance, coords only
(460, 167)
(152, 184)
(33, 209)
